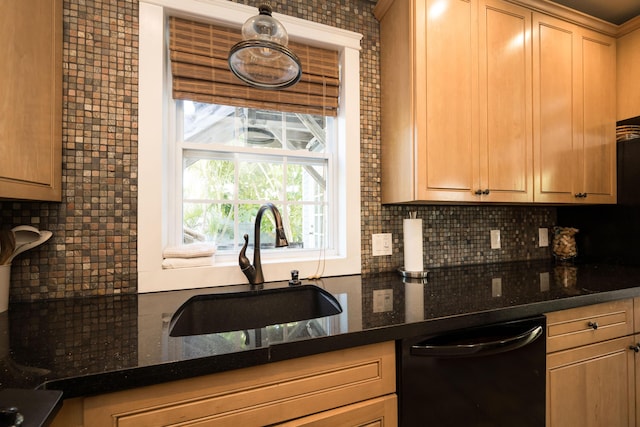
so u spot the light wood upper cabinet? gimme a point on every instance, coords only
(506, 136)
(628, 63)
(574, 113)
(487, 100)
(31, 100)
(456, 118)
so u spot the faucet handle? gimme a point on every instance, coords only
(245, 265)
(294, 278)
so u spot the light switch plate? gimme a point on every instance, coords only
(543, 237)
(495, 239)
(381, 244)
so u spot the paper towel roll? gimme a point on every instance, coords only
(413, 302)
(412, 228)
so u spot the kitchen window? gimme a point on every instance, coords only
(232, 159)
(204, 169)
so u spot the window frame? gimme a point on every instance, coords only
(155, 192)
(259, 154)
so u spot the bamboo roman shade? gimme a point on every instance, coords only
(201, 73)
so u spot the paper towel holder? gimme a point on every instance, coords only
(423, 275)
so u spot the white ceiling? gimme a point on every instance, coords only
(614, 11)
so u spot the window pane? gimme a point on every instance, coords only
(223, 188)
(207, 123)
(208, 179)
(209, 222)
(306, 182)
(260, 181)
(307, 226)
(245, 127)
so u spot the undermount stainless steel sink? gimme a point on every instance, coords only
(225, 312)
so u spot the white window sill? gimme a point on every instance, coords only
(228, 273)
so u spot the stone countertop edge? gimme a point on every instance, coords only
(111, 380)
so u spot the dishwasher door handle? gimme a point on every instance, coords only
(501, 345)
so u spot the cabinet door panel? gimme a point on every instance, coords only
(506, 165)
(31, 100)
(554, 121)
(627, 64)
(599, 74)
(574, 113)
(592, 386)
(447, 120)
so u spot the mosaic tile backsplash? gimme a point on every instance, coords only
(93, 251)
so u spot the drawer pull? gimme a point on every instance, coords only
(593, 325)
(635, 348)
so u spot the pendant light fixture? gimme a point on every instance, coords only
(262, 59)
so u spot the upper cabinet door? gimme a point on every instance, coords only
(446, 100)
(554, 83)
(429, 92)
(597, 55)
(628, 64)
(31, 100)
(506, 136)
(574, 113)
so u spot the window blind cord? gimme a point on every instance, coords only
(321, 257)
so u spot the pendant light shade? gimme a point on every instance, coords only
(262, 59)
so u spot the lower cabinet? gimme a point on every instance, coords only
(592, 366)
(371, 413)
(592, 385)
(353, 387)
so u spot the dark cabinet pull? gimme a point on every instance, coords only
(478, 192)
(635, 348)
(486, 192)
(593, 325)
(580, 195)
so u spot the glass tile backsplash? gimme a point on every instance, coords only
(93, 251)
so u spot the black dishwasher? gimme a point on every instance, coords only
(486, 376)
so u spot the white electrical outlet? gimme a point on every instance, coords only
(495, 239)
(543, 237)
(381, 244)
(382, 300)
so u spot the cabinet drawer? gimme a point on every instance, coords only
(256, 396)
(588, 325)
(380, 412)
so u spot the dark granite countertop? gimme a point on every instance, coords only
(102, 344)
